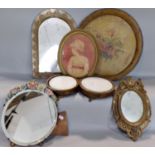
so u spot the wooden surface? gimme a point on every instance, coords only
(61, 128)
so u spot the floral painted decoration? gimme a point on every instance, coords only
(109, 46)
(50, 93)
(31, 85)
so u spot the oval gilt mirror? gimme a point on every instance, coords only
(132, 111)
(48, 29)
(29, 115)
(131, 107)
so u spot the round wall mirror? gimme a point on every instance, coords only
(133, 109)
(29, 115)
(48, 29)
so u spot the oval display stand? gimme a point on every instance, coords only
(62, 85)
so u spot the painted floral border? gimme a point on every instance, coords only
(31, 85)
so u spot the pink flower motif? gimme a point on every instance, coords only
(109, 50)
(48, 91)
(111, 33)
(32, 85)
(106, 48)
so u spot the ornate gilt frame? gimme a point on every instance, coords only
(50, 13)
(88, 35)
(135, 27)
(134, 130)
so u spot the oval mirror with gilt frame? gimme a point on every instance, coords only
(49, 27)
(131, 107)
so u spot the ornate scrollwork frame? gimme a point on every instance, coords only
(50, 13)
(134, 130)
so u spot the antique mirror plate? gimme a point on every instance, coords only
(130, 113)
(48, 29)
(119, 39)
(62, 85)
(78, 54)
(29, 115)
(131, 107)
(96, 87)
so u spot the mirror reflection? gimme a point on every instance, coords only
(29, 117)
(51, 31)
(132, 106)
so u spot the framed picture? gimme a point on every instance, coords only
(119, 39)
(78, 54)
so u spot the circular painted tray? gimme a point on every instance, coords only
(119, 39)
(78, 54)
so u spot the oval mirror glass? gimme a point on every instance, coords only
(132, 106)
(29, 117)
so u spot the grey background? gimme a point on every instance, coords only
(15, 38)
(90, 124)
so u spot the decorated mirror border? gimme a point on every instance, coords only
(47, 14)
(29, 86)
(134, 130)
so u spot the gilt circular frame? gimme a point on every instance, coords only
(110, 45)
